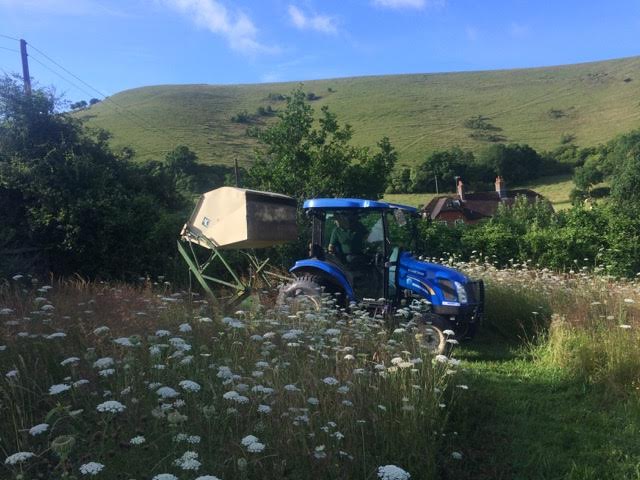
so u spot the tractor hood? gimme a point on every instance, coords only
(428, 270)
(439, 284)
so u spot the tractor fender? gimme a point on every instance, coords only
(325, 270)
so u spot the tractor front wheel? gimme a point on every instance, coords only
(429, 333)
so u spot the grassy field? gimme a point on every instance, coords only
(556, 189)
(120, 381)
(419, 113)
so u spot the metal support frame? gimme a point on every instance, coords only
(240, 288)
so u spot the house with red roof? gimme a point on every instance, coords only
(474, 207)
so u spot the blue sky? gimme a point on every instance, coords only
(114, 45)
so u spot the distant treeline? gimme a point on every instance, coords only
(516, 163)
(71, 205)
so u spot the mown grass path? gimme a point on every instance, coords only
(523, 420)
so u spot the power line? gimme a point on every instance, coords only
(10, 49)
(62, 77)
(119, 109)
(10, 38)
(132, 114)
(144, 127)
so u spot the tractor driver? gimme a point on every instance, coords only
(347, 237)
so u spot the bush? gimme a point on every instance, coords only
(66, 195)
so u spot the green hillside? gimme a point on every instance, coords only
(591, 101)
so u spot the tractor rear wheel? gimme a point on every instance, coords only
(305, 292)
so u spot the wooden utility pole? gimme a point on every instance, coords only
(235, 160)
(25, 67)
(437, 191)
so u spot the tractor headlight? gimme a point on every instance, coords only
(462, 293)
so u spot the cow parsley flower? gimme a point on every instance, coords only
(124, 342)
(391, 472)
(264, 409)
(69, 361)
(185, 328)
(167, 392)
(188, 461)
(18, 458)
(58, 388)
(330, 381)
(190, 386)
(91, 468)
(137, 440)
(165, 476)
(107, 372)
(248, 440)
(101, 330)
(111, 406)
(207, 477)
(255, 447)
(38, 429)
(104, 362)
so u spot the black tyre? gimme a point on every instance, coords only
(303, 293)
(429, 333)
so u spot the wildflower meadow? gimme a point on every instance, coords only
(122, 382)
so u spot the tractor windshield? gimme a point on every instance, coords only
(355, 240)
(353, 234)
(403, 233)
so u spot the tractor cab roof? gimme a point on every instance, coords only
(354, 203)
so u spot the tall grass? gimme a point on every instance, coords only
(145, 383)
(586, 325)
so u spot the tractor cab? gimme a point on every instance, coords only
(359, 251)
(352, 236)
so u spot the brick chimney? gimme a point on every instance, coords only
(460, 189)
(501, 187)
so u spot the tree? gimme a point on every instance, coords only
(306, 158)
(93, 101)
(67, 195)
(514, 162)
(444, 165)
(79, 105)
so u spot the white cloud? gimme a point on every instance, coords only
(237, 29)
(319, 23)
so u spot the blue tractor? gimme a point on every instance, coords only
(360, 251)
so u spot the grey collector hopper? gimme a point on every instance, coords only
(237, 218)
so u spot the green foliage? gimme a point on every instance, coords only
(66, 195)
(516, 163)
(603, 237)
(305, 159)
(78, 105)
(445, 165)
(242, 117)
